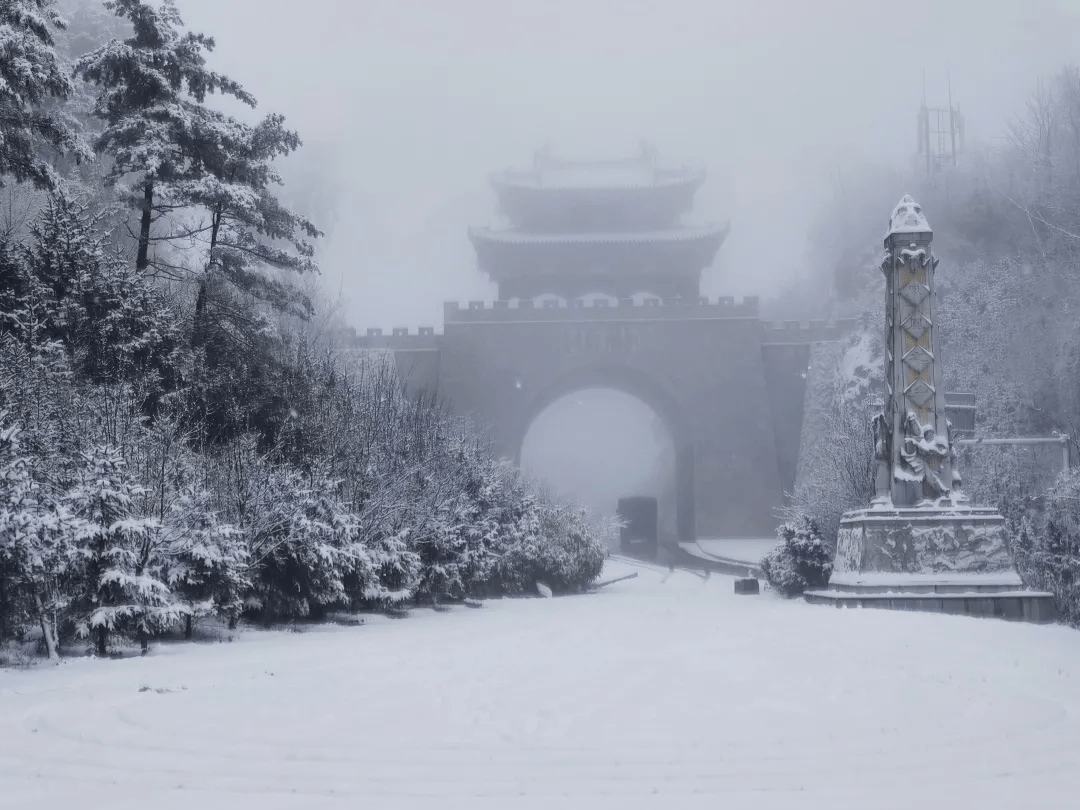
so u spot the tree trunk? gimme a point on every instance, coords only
(143, 259)
(48, 630)
(188, 628)
(144, 641)
(233, 621)
(102, 635)
(200, 310)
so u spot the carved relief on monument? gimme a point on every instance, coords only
(921, 453)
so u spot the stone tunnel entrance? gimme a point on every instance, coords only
(603, 444)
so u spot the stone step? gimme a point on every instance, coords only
(1014, 605)
(987, 587)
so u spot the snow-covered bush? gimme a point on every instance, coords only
(801, 561)
(553, 543)
(1046, 547)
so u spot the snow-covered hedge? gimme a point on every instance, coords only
(143, 490)
(1047, 543)
(801, 561)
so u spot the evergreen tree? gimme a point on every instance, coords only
(123, 589)
(208, 563)
(31, 77)
(153, 85)
(112, 322)
(248, 228)
(35, 545)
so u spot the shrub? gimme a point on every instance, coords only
(800, 561)
(1047, 544)
(553, 543)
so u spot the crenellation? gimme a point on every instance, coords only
(581, 308)
(374, 331)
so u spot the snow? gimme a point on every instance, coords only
(665, 691)
(908, 217)
(743, 549)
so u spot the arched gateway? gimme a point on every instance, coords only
(604, 243)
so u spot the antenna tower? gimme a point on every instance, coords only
(941, 133)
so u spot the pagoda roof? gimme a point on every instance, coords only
(640, 172)
(667, 236)
(598, 176)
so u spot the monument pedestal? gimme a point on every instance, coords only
(951, 559)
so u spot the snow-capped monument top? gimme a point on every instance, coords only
(908, 217)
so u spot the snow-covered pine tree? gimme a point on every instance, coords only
(12, 284)
(295, 547)
(208, 561)
(110, 319)
(122, 586)
(30, 77)
(153, 85)
(35, 545)
(248, 229)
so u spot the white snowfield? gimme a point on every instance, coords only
(648, 694)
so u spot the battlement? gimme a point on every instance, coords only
(772, 332)
(399, 339)
(601, 309)
(799, 332)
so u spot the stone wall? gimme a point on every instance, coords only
(729, 388)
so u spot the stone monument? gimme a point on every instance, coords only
(920, 544)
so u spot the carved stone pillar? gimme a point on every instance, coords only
(920, 453)
(920, 545)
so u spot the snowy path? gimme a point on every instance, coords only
(652, 694)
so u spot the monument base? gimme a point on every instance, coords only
(940, 559)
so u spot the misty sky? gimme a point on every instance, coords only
(406, 106)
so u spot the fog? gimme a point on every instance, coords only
(602, 445)
(406, 106)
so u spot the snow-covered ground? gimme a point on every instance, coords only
(748, 550)
(649, 694)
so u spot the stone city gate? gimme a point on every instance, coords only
(603, 244)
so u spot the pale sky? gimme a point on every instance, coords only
(406, 106)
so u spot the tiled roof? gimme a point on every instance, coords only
(513, 237)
